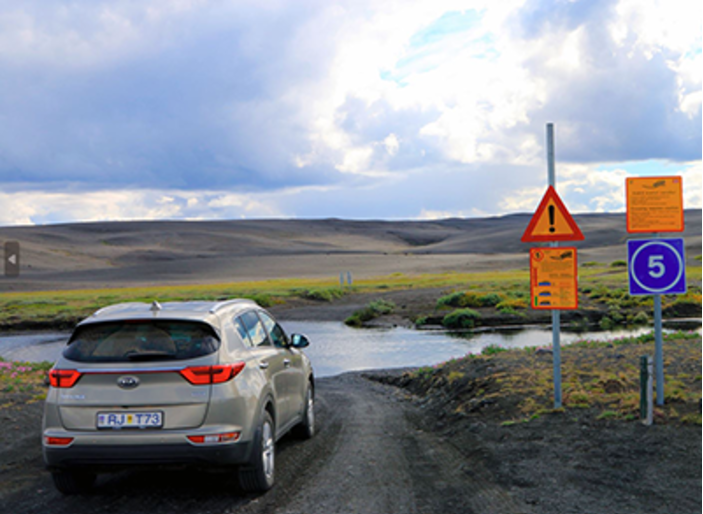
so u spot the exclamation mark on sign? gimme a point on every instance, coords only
(551, 218)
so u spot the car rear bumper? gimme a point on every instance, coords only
(110, 450)
(125, 456)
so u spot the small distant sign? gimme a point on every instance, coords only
(552, 221)
(656, 266)
(654, 204)
(12, 259)
(553, 283)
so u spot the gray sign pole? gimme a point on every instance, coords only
(556, 315)
(658, 348)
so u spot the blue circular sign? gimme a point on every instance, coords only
(656, 266)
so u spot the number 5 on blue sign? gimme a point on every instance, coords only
(655, 262)
(656, 266)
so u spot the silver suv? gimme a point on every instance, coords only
(199, 383)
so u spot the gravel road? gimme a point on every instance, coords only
(369, 456)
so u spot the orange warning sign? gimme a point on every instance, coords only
(654, 204)
(553, 283)
(552, 221)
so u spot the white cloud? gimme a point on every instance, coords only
(170, 108)
(586, 188)
(31, 207)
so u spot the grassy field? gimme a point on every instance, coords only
(601, 282)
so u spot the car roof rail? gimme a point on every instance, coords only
(226, 303)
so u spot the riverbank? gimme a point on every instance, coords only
(593, 454)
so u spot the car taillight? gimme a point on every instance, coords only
(64, 377)
(214, 438)
(57, 441)
(217, 374)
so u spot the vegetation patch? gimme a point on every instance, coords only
(511, 305)
(461, 318)
(371, 311)
(23, 377)
(469, 299)
(600, 380)
(323, 294)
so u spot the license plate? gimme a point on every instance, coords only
(130, 419)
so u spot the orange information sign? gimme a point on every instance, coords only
(552, 221)
(654, 204)
(553, 283)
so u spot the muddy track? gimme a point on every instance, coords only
(369, 456)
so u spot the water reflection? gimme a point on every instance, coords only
(337, 348)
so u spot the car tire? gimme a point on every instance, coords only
(306, 428)
(73, 482)
(259, 475)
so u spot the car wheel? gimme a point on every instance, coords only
(73, 482)
(306, 428)
(259, 475)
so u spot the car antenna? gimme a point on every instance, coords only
(155, 307)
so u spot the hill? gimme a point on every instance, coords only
(109, 254)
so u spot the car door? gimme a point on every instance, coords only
(293, 365)
(269, 360)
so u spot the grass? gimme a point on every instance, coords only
(373, 310)
(461, 318)
(601, 283)
(470, 299)
(600, 379)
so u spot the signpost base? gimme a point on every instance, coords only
(556, 356)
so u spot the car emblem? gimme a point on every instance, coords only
(128, 382)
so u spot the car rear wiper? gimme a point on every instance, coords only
(150, 356)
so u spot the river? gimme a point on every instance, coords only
(336, 348)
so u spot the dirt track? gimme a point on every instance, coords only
(379, 451)
(368, 457)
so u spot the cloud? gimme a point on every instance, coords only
(352, 108)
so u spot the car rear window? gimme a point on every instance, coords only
(132, 341)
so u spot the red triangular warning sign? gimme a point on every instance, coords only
(552, 221)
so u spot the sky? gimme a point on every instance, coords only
(378, 109)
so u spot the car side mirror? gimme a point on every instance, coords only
(299, 341)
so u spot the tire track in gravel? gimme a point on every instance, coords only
(370, 455)
(382, 462)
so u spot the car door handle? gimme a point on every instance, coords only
(286, 363)
(263, 365)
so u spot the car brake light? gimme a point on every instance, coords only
(214, 438)
(57, 441)
(217, 374)
(64, 377)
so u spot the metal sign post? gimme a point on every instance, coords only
(556, 315)
(659, 348)
(551, 223)
(656, 267)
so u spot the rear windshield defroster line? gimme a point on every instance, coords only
(141, 341)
